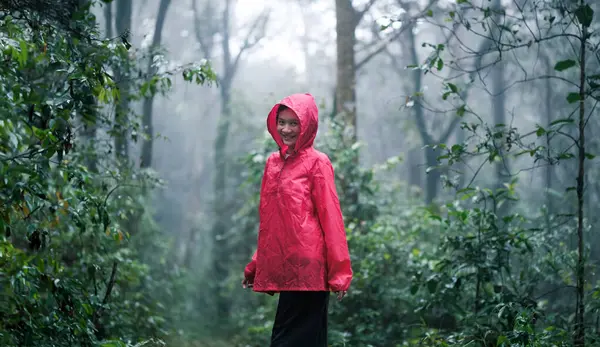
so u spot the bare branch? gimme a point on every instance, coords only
(204, 33)
(360, 14)
(109, 288)
(160, 22)
(407, 24)
(381, 48)
(255, 34)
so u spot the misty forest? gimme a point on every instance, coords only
(133, 142)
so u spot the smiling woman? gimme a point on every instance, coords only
(302, 249)
(288, 126)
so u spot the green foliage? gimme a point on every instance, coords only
(458, 276)
(352, 180)
(483, 269)
(496, 267)
(82, 263)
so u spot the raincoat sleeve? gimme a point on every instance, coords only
(250, 269)
(339, 270)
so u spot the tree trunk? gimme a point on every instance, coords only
(207, 26)
(499, 116)
(123, 26)
(146, 158)
(549, 168)
(579, 333)
(89, 117)
(222, 218)
(346, 67)
(346, 22)
(108, 19)
(502, 167)
(433, 176)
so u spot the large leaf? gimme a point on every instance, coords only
(585, 15)
(564, 65)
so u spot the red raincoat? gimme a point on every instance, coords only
(301, 241)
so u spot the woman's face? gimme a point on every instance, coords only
(288, 127)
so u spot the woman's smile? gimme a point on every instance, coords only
(289, 139)
(288, 127)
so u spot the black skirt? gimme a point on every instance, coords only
(301, 320)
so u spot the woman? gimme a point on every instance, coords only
(302, 249)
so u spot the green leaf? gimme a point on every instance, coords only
(564, 65)
(112, 344)
(487, 13)
(440, 64)
(590, 156)
(88, 309)
(585, 15)
(429, 13)
(540, 131)
(50, 152)
(561, 121)
(24, 53)
(456, 148)
(461, 110)
(573, 97)
(435, 217)
(432, 285)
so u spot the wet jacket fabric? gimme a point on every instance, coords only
(301, 240)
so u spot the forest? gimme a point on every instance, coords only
(133, 143)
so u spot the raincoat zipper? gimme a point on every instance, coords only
(279, 176)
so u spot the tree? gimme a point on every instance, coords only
(416, 100)
(146, 159)
(70, 272)
(207, 26)
(348, 18)
(549, 27)
(123, 27)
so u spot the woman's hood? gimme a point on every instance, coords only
(305, 107)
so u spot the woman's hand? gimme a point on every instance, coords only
(341, 294)
(246, 283)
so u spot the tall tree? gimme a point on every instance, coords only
(426, 132)
(207, 25)
(123, 26)
(90, 115)
(146, 158)
(108, 19)
(549, 113)
(347, 20)
(498, 95)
